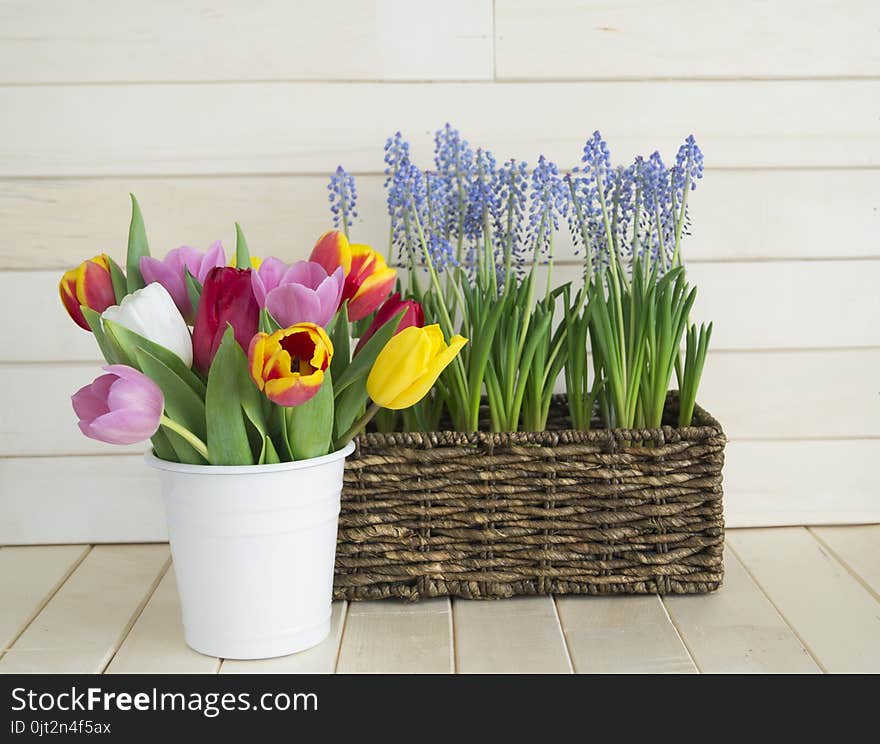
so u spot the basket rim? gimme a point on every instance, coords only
(707, 428)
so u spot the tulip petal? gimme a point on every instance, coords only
(94, 287)
(139, 394)
(270, 275)
(329, 293)
(67, 290)
(90, 401)
(420, 387)
(169, 276)
(371, 293)
(215, 256)
(125, 426)
(294, 390)
(308, 273)
(293, 303)
(331, 251)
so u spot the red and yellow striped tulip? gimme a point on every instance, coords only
(368, 279)
(88, 284)
(409, 365)
(368, 282)
(332, 251)
(288, 366)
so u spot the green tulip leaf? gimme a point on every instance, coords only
(182, 404)
(268, 455)
(227, 434)
(162, 447)
(120, 287)
(104, 344)
(268, 324)
(310, 425)
(193, 289)
(137, 247)
(349, 407)
(340, 337)
(278, 432)
(126, 341)
(252, 400)
(183, 450)
(242, 254)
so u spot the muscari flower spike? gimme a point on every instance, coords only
(549, 200)
(343, 199)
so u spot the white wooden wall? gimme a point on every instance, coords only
(213, 111)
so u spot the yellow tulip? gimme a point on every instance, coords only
(408, 366)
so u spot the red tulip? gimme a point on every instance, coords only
(227, 297)
(88, 284)
(413, 315)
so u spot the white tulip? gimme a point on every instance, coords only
(150, 312)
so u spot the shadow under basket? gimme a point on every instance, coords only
(490, 515)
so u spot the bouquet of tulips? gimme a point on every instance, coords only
(248, 363)
(474, 237)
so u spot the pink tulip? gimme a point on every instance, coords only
(122, 407)
(170, 272)
(304, 293)
(268, 277)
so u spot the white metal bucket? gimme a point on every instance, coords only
(253, 549)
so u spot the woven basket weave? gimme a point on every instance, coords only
(487, 515)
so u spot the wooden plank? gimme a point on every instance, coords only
(734, 389)
(80, 499)
(275, 40)
(856, 547)
(790, 483)
(622, 635)
(264, 129)
(520, 635)
(55, 224)
(44, 423)
(155, 643)
(320, 659)
(390, 637)
(117, 499)
(28, 579)
(784, 292)
(81, 627)
(736, 630)
(835, 617)
(592, 39)
(782, 311)
(794, 394)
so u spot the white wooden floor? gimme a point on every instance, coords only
(794, 600)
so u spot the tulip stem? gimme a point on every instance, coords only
(197, 444)
(358, 426)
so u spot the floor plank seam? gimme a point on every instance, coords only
(48, 598)
(135, 616)
(568, 654)
(343, 627)
(842, 561)
(778, 610)
(680, 635)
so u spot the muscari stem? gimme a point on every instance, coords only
(197, 444)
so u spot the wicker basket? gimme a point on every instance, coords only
(487, 515)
